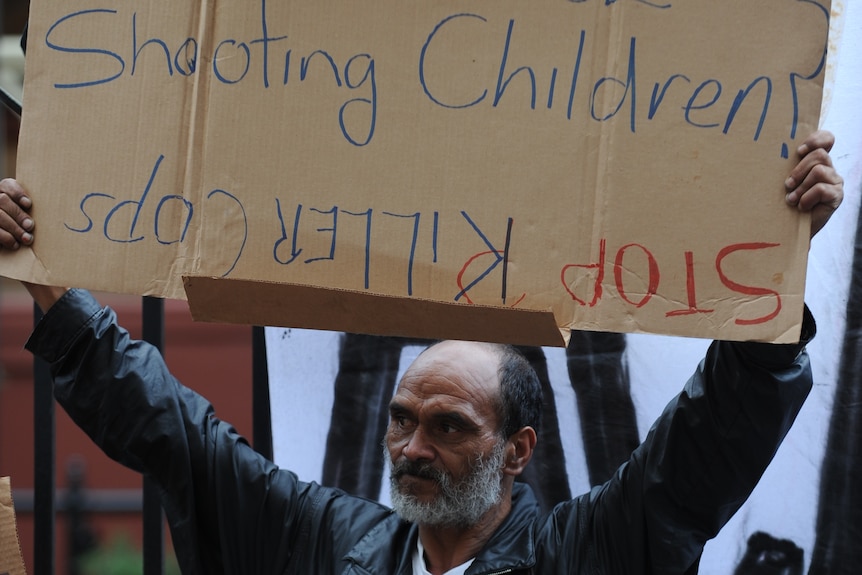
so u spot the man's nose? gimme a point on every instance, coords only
(418, 446)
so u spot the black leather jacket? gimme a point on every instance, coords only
(232, 511)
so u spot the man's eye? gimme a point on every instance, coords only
(448, 428)
(400, 422)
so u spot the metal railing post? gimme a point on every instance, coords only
(44, 481)
(261, 415)
(153, 330)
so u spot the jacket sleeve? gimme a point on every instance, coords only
(230, 510)
(699, 463)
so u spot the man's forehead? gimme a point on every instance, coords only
(461, 345)
(468, 364)
(463, 352)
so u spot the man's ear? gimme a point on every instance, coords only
(519, 450)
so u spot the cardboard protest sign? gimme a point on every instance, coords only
(617, 164)
(11, 562)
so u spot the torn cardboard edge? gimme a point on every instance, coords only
(11, 560)
(312, 307)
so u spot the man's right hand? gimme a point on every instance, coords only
(16, 229)
(16, 225)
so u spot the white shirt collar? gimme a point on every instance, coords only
(419, 562)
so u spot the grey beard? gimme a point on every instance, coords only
(457, 505)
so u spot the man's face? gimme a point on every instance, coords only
(443, 441)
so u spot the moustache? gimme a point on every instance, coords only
(423, 470)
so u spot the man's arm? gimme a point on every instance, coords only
(698, 464)
(221, 498)
(44, 296)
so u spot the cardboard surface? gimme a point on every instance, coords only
(619, 164)
(11, 562)
(353, 311)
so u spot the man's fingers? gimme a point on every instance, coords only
(815, 160)
(16, 225)
(830, 195)
(8, 241)
(814, 185)
(16, 192)
(12, 232)
(817, 190)
(820, 139)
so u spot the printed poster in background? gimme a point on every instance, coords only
(806, 514)
(587, 161)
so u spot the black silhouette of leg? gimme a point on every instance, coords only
(600, 378)
(367, 370)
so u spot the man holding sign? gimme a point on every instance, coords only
(462, 427)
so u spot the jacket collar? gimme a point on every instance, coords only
(512, 546)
